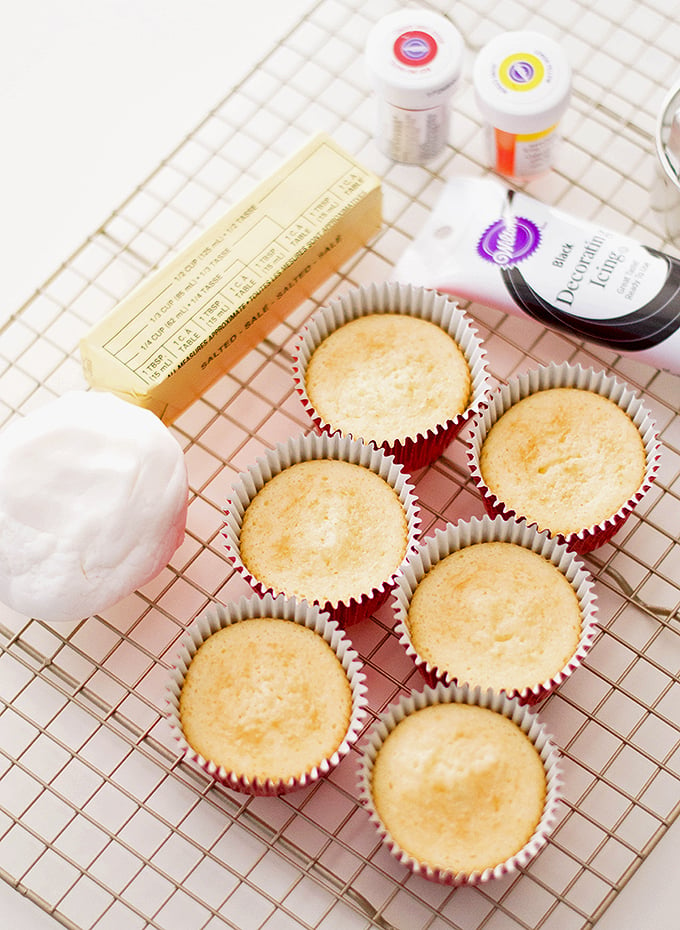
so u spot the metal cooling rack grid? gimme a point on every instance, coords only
(100, 822)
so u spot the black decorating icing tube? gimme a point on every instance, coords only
(500, 247)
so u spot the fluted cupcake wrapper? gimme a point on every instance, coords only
(423, 448)
(467, 533)
(557, 376)
(306, 447)
(523, 717)
(296, 611)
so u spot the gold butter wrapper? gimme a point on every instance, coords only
(192, 320)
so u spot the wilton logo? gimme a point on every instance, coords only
(521, 72)
(415, 48)
(507, 242)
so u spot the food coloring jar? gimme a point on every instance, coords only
(522, 83)
(414, 60)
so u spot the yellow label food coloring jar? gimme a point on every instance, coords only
(522, 83)
(414, 60)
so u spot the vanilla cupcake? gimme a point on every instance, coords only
(568, 449)
(266, 695)
(325, 519)
(494, 603)
(392, 364)
(462, 785)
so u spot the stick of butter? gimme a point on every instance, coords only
(193, 319)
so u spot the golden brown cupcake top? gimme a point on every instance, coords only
(265, 698)
(459, 787)
(325, 530)
(564, 458)
(387, 376)
(497, 615)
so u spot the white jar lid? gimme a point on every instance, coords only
(414, 57)
(522, 82)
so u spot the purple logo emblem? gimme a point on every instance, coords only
(507, 242)
(415, 48)
(521, 72)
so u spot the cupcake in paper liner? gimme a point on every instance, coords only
(266, 695)
(497, 604)
(463, 785)
(392, 364)
(569, 449)
(324, 518)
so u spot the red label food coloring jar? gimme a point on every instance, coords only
(414, 60)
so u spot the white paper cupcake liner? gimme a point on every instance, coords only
(525, 718)
(422, 449)
(305, 448)
(220, 616)
(467, 533)
(556, 376)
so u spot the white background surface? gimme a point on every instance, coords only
(93, 95)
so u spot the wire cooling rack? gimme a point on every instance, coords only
(101, 823)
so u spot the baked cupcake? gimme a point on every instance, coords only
(568, 449)
(266, 695)
(392, 364)
(325, 519)
(462, 785)
(494, 603)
